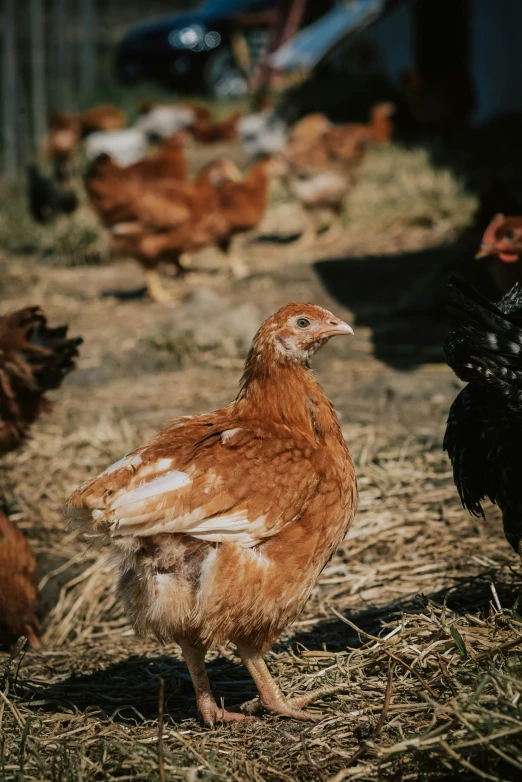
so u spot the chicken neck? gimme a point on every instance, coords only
(284, 391)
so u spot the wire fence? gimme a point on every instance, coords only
(55, 54)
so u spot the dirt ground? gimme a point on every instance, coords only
(416, 613)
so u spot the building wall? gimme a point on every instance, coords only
(392, 37)
(496, 56)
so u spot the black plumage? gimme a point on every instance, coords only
(47, 198)
(484, 430)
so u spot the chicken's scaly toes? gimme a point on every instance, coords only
(280, 709)
(294, 707)
(217, 716)
(301, 701)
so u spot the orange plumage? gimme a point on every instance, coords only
(157, 221)
(503, 240)
(18, 586)
(66, 131)
(33, 360)
(242, 203)
(208, 131)
(221, 524)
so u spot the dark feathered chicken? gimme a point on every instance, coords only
(484, 428)
(33, 360)
(48, 198)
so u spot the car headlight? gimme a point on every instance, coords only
(191, 37)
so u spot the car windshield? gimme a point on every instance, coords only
(232, 6)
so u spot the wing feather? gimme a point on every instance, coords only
(209, 496)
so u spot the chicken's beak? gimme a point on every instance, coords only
(485, 250)
(337, 328)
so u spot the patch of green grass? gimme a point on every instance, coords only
(399, 186)
(181, 345)
(68, 241)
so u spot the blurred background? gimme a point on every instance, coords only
(450, 62)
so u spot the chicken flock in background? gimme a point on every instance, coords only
(33, 360)
(221, 524)
(156, 213)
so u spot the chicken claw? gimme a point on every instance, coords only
(272, 700)
(155, 289)
(294, 707)
(209, 712)
(212, 715)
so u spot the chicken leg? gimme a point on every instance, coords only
(272, 700)
(156, 290)
(237, 264)
(208, 710)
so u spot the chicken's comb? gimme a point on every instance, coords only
(491, 231)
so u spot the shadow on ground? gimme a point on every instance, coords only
(402, 297)
(128, 691)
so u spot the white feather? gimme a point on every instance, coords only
(170, 481)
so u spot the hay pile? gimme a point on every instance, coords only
(416, 615)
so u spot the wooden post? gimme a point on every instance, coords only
(87, 54)
(9, 89)
(291, 13)
(39, 104)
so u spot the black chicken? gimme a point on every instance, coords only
(48, 198)
(484, 428)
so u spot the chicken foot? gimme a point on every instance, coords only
(272, 700)
(237, 265)
(155, 288)
(210, 713)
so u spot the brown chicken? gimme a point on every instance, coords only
(380, 128)
(221, 524)
(33, 360)
(167, 163)
(61, 143)
(243, 203)
(66, 131)
(101, 118)
(208, 131)
(320, 174)
(18, 586)
(503, 239)
(158, 222)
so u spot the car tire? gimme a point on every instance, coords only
(222, 77)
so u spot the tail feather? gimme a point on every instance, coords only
(486, 346)
(33, 359)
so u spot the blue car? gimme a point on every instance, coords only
(198, 50)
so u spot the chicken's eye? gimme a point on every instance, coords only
(510, 235)
(303, 323)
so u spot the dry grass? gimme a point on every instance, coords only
(416, 613)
